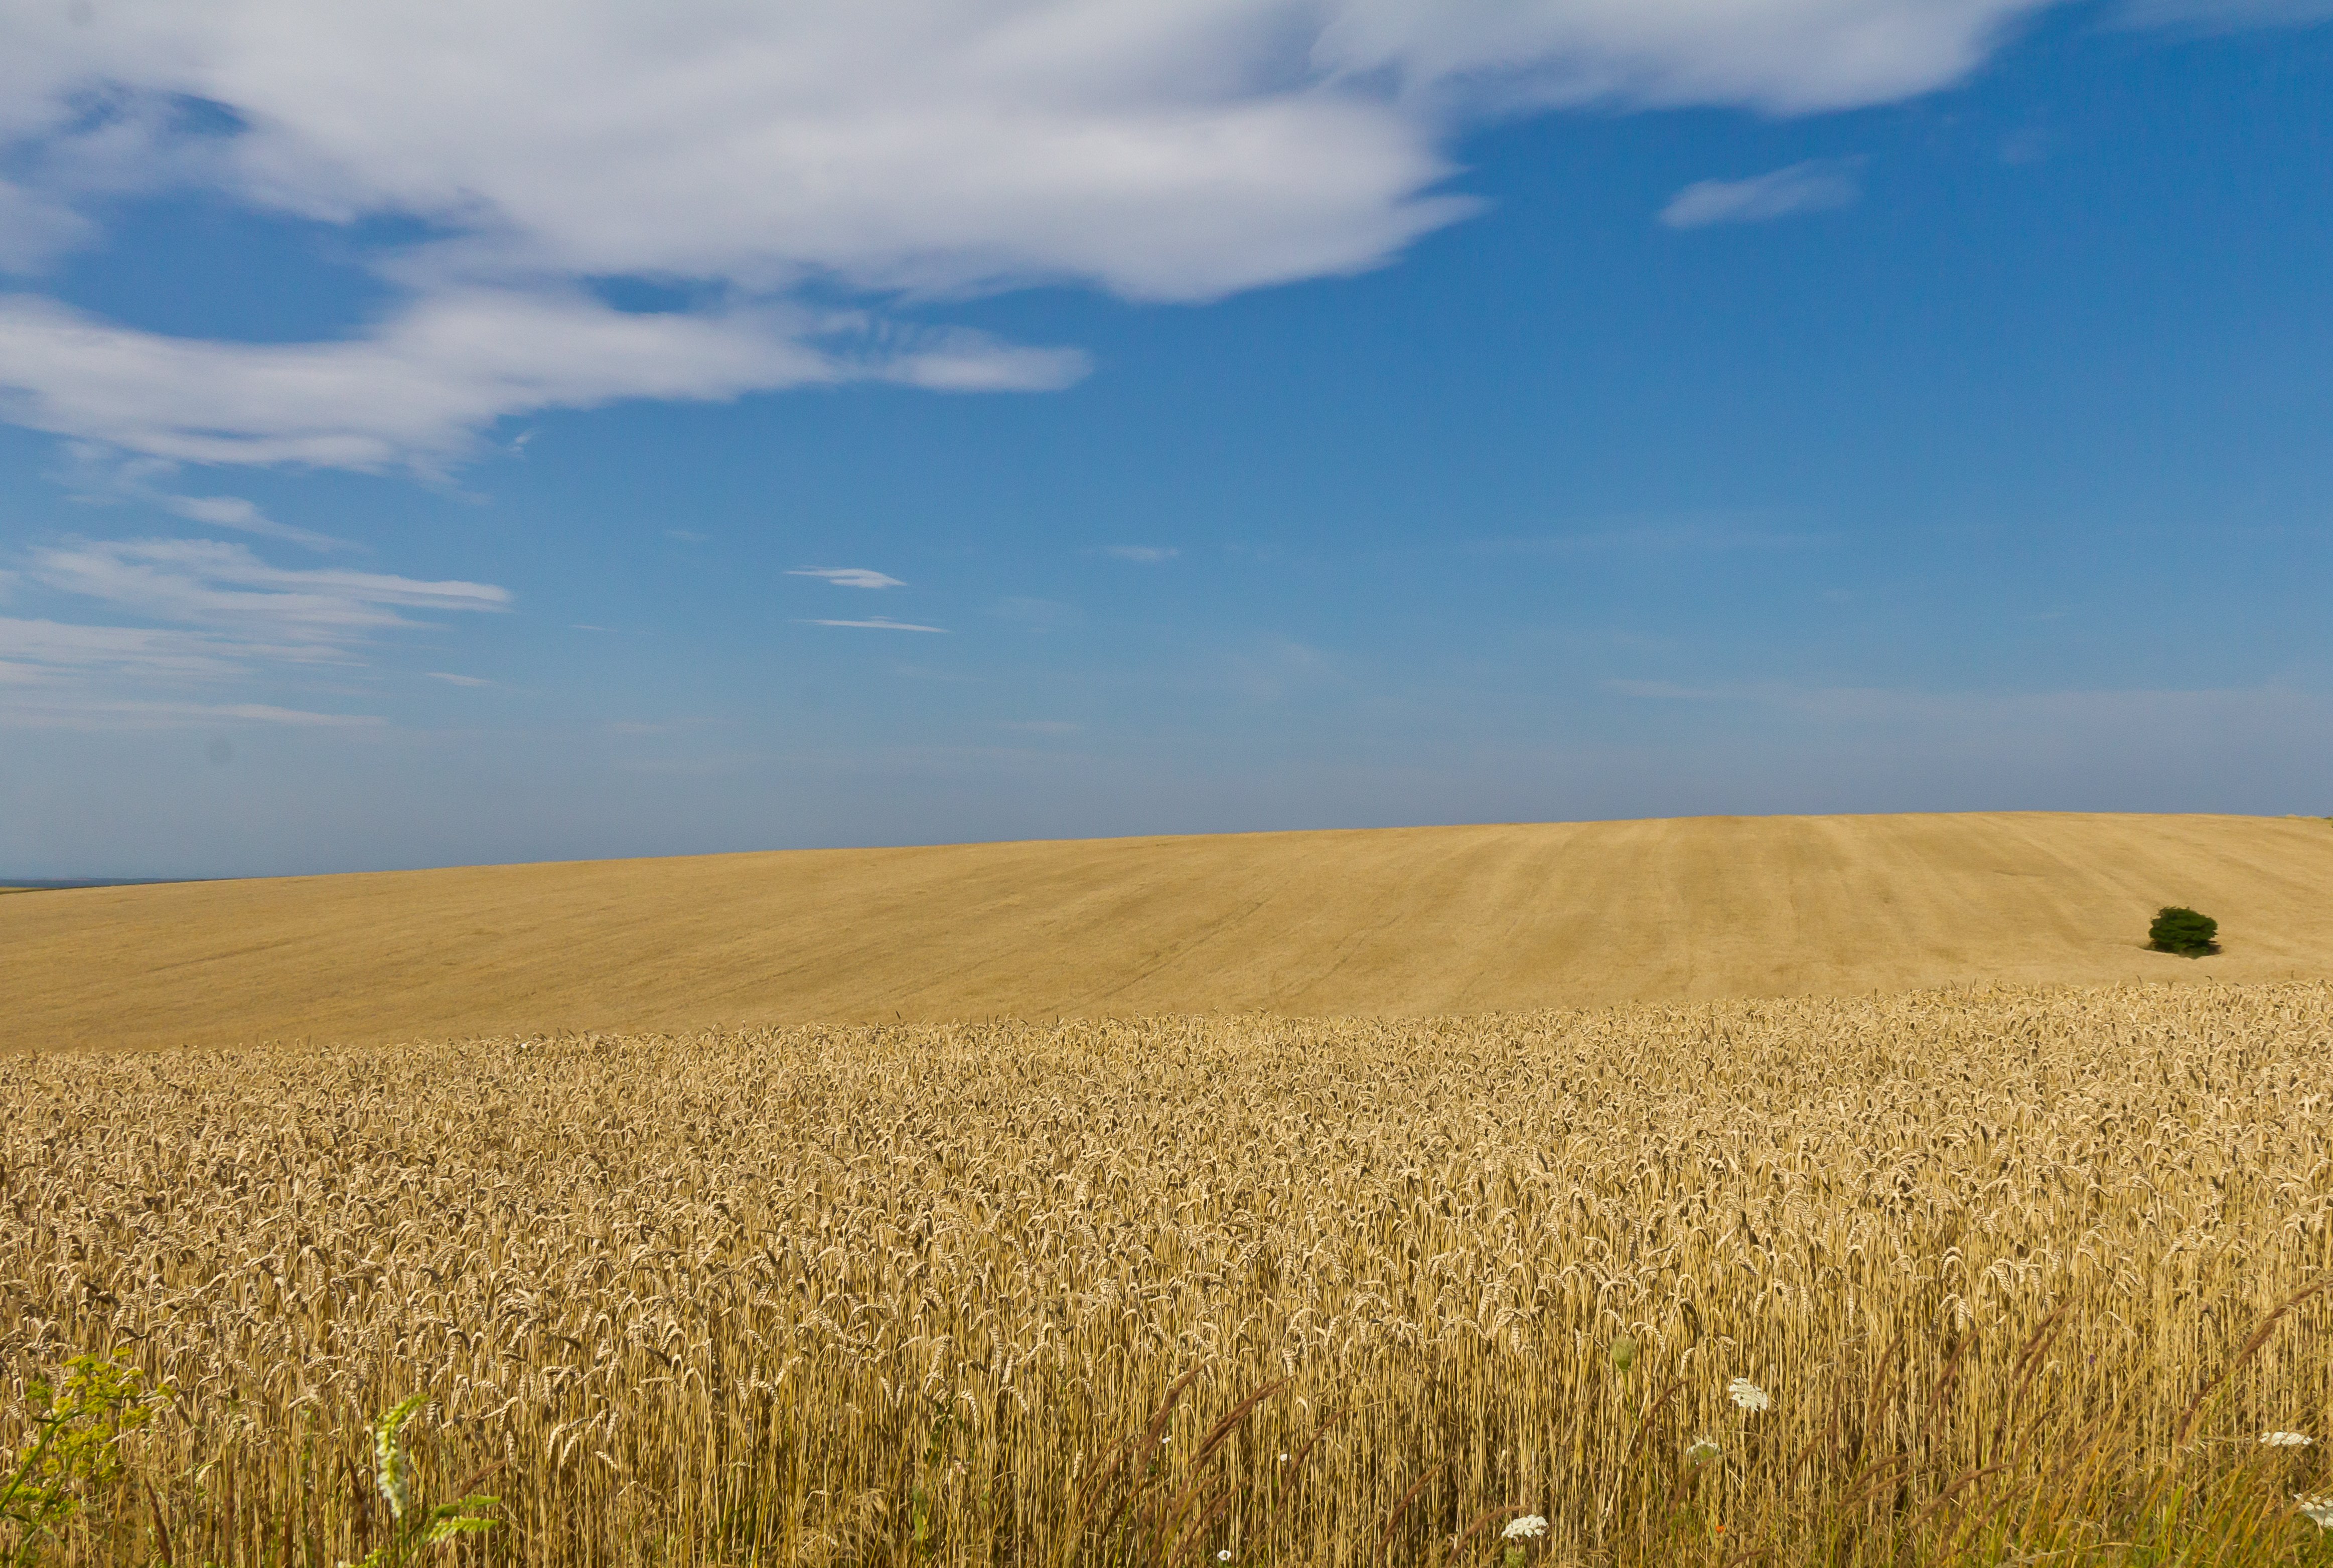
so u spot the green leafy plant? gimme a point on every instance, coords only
(78, 1425)
(2179, 930)
(414, 1529)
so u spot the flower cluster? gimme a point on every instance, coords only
(1747, 1394)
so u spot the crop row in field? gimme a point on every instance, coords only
(1228, 1288)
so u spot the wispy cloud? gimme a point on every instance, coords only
(72, 710)
(244, 517)
(34, 648)
(57, 676)
(228, 618)
(454, 680)
(416, 388)
(1803, 187)
(1142, 554)
(207, 582)
(858, 576)
(99, 475)
(879, 624)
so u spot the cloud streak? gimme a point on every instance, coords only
(876, 624)
(857, 576)
(1816, 185)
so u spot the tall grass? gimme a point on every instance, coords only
(2024, 1275)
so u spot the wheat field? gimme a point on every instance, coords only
(2024, 1275)
(1407, 922)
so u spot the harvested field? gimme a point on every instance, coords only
(1411, 922)
(1233, 1289)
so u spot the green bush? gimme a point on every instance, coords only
(2179, 930)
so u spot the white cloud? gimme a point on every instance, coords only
(1142, 554)
(1802, 187)
(452, 680)
(1158, 149)
(2219, 15)
(1783, 56)
(877, 624)
(858, 576)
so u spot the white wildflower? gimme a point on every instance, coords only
(1529, 1525)
(2318, 1509)
(2287, 1439)
(394, 1469)
(1747, 1394)
(1224, 1555)
(1701, 1450)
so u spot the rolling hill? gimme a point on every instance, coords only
(1396, 921)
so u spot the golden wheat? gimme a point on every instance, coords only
(1338, 1292)
(1406, 921)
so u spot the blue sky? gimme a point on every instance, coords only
(425, 447)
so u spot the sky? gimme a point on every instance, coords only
(448, 434)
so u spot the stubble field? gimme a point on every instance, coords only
(2022, 1273)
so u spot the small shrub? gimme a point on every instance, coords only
(77, 1425)
(2179, 930)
